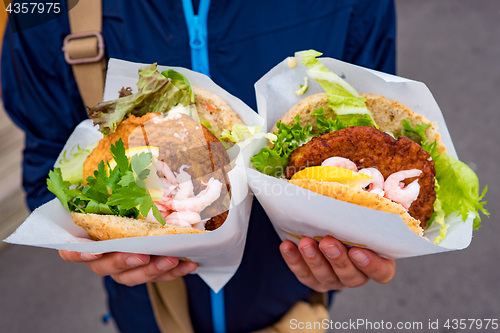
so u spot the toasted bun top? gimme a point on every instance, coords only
(212, 108)
(388, 114)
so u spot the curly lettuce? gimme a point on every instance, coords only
(457, 185)
(157, 92)
(273, 161)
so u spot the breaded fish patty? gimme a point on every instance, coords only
(181, 141)
(368, 147)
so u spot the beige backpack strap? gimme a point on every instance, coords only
(84, 49)
(170, 306)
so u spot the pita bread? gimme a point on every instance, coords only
(106, 227)
(388, 114)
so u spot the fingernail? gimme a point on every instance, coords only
(309, 251)
(331, 251)
(359, 257)
(164, 264)
(89, 256)
(134, 261)
(188, 268)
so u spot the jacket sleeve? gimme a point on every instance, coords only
(371, 40)
(41, 96)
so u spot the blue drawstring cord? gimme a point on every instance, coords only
(197, 28)
(218, 311)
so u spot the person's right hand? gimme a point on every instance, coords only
(132, 269)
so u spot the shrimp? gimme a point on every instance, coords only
(168, 189)
(395, 190)
(185, 184)
(377, 184)
(204, 199)
(165, 170)
(163, 211)
(183, 219)
(340, 162)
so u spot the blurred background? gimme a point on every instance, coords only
(450, 45)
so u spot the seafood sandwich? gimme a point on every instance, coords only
(371, 151)
(160, 169)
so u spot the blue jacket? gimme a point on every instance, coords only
(245, 40)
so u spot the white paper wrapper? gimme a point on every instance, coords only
(218, 253)
(296, 212)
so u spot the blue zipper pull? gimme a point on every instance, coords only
(197, 41)
(197, 29)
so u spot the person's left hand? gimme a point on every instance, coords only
(329, 265)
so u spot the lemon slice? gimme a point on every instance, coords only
(156, 195)
(155, 151)
(334, 174)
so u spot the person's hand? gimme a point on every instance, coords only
(329, 265)
(132, 269)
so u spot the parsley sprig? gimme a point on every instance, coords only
(121, 191)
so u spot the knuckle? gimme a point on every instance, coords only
(341, 263)
(176, 272)
(329, 281)
(333, 286)
(314, 263)
(294, 258)
(357, 282)
(304, 275)
(123, 280)
(321, 289)
(95, 269)
(128, 283)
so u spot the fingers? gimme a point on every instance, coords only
(132, 269)
(309, 265)
(329, 265)
(159, 269)
(379, 269)
(337, 256)
(79, 256)
(117, 262)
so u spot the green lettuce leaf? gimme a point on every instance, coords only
(57, 185)
(416, 133)
(156, 93)
(342, 97)
(274, 161)
(457, 185)
(239, 132)
(340, 122)
(180, 81)
(459, 188)
(72, 166)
